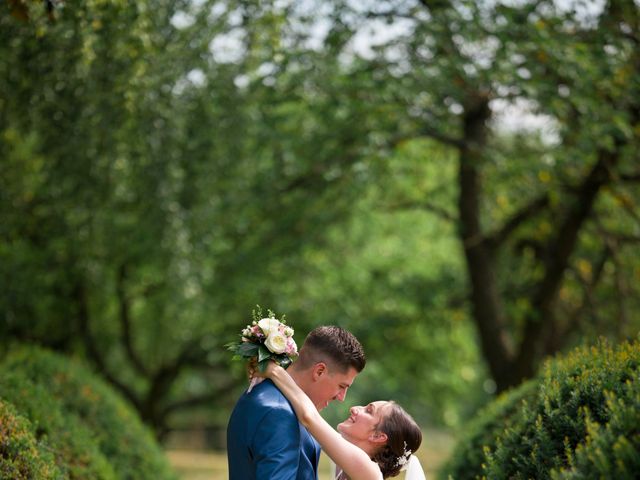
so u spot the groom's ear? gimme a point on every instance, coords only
(319, 369)
(378, 437)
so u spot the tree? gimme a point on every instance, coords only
(541, 251)
(91, 237)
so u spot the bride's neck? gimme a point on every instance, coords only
(365, 445)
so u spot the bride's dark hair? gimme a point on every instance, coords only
(403, 434)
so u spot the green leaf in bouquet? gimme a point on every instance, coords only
(263, 353)
(262, 366)
(248, 349)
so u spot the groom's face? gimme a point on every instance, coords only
(330, 384)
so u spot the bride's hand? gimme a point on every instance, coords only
(254, 372)
(271, 369)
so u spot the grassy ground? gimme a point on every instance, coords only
(201, 465)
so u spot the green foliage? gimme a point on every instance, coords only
(92, 432)
(71, 442)
(22, 456)
(611, 450)
(577, 419)
(156, 183)
(480, 435)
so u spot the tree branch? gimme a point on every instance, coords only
(621, 288)
(427, 131)
(391, 15)
(80, 296)
(315, 177)
(541, 320)
(559, 338)
(535, 206)
(437, 210)
(618, 238)
(199, 400)
(630, 177)
(125, 322)
(627, 206)
(192, 355)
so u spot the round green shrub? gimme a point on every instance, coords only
(581, 421)
(89, 407)
(466, 462)
(22, 457)
(70, 442)
(611, 450)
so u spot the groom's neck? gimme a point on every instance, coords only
(299, 376)
(295, 373)
(304, 380)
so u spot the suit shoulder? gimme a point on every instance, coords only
(266, 396)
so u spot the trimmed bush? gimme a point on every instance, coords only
(580, 421)
(22, 457)
(71, 443)
(468, 459)
(72, 402)
(611, 450)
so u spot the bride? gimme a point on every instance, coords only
(375, 442)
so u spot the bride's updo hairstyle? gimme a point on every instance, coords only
(403, 439)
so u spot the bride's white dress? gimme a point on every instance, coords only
(413, 470)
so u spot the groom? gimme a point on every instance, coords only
(264, 439)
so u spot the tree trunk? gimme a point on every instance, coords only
(485, 299)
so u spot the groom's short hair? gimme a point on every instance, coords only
(333, 345)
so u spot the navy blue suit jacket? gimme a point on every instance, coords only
(265, 441)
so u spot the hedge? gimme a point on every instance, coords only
(578, 419)
(95, 433)
(71, 443)
(22, 456)
(466, 462)
(611, 450)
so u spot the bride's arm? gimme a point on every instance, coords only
(352, 459)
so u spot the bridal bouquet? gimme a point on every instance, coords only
(266, 339)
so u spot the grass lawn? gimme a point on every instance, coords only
(208, 465)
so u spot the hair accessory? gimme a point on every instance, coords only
(404, 458)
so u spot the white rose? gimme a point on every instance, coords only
(288, 331)
(268, 324)
(276, 342)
